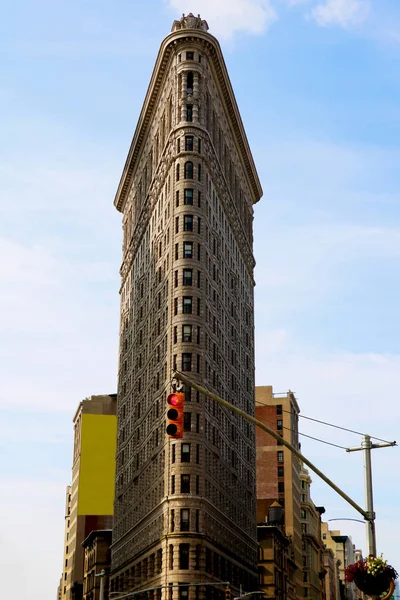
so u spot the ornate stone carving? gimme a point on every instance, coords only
(190, 22)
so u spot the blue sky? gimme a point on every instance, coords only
(318, 86)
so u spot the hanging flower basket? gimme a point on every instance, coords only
(372, 575)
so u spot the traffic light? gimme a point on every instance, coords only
(228, 593)
(175, 403)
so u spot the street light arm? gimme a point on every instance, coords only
(185, 380)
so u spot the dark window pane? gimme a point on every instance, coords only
(185, 453)
(187, 304)
(188, 196)
(189, 142)
(186, 333)
(183, 556)
(188, 223)
(187, 276)
(186, 361)
(187, 249)
(185, 484)
(188, 173)
(187, 421)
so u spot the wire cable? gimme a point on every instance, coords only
(329, 424)
(266, 422)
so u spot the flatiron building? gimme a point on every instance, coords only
(185, 510)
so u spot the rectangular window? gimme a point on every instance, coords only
(175, 306)
(279, 409)
(198, 307)
(185, 484)
(199, 172)
(187, 276)
(189, 55)
(199, 199)
(189, 142)
(188, 393)
(187, 249)
(303, 513)
(189, 113)
(304, 528)
(187, 421)
(177, 198)
(172, 484)
(173, 453)
(176, 224)
(186, 333)
(183, 591)
(184, 555)
(175, 334)
(176, 251)
(188, 196)
(172, 520)
(281, 487)
(280, 456)
(198, 251)
(185, 452)
(198, 145)
(198, 225)
(186, 361)
(176, 279)
(280, 472)
(279, 424)
(187, 222)
(187, 305)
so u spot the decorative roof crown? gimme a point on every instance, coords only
(190, 22)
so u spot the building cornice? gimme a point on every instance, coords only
(154, 89)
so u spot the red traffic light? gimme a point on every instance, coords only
(175, 415)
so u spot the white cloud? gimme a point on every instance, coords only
(344, 13)
(227, 17)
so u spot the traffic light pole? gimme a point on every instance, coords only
(366, 447)
(368, 514)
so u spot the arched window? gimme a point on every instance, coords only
(178, 169)
(189, 84)
(188, 170)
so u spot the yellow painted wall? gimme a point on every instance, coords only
(97, 465)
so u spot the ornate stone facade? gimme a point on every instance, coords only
(185, 510)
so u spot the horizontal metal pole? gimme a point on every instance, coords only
(382, 445)
(280, 439)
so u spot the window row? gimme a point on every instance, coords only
(188, 222)
(189, 56)
(187, 362)
(185, 486)
(184, 521)
(189, 143)
(190, 334)
(187, 277)
(185, 452)
(188, 171)
(187, 305)
(187, 250)
(188, 195)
